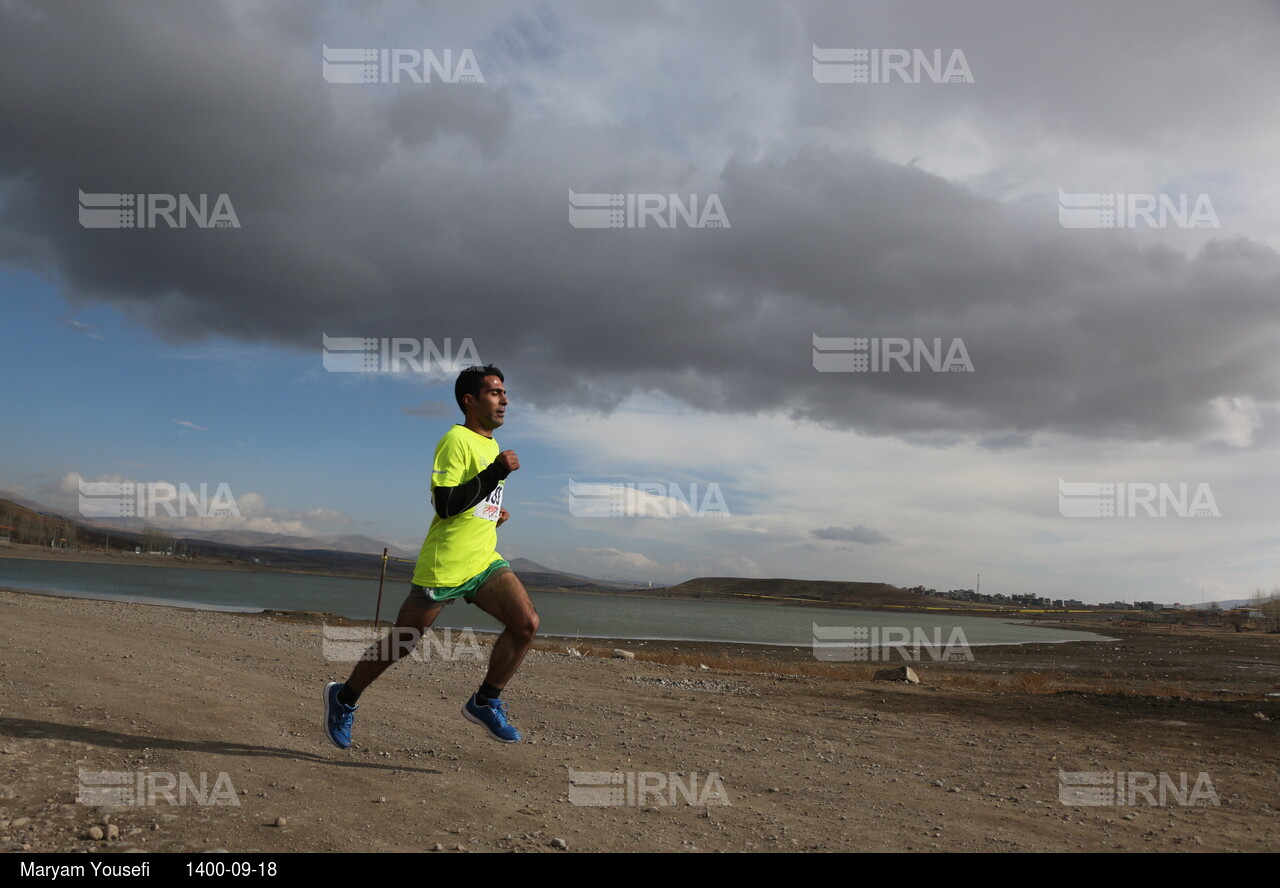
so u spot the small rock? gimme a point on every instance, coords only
(20, 822)
(7, 793)
(704, 667)
(113, 831)
(620, 654)
(438, 847)
(561, 843)
(937, 783)
(282, 821)
(1261, 716)
(462, 848)
(379, 800)
(95, 833)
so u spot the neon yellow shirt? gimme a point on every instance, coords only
(458, 548)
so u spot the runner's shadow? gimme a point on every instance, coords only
(27, 729)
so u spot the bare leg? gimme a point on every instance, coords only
(415, 617)
(504, 598)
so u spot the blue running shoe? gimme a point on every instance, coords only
(337, 716)
(493, 718)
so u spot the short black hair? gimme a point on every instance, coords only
(471, 380)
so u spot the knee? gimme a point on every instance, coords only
(526, 625)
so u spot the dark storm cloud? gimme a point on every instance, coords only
(439, 211)
(859, 534)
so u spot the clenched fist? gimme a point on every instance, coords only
(508, 460)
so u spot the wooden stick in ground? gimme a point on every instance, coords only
(382, 575)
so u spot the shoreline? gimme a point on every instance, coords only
(1092, 657)
(38, 553)
(339, 619)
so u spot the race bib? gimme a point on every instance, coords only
(490, 508)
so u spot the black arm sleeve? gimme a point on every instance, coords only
(450, 501)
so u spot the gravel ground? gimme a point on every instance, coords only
(709, 759)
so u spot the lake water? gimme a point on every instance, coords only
(586, 616)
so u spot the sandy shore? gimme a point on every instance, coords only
(965, 761)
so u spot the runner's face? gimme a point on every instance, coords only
(490, 408)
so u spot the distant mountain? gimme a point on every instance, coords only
(1224, 604)
(32, 505)
(347, 554)
(337, 542)
(533, 574)
(518, 563)
(247, 538)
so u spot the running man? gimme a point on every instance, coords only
(458, 561)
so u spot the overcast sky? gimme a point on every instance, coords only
(682, 355)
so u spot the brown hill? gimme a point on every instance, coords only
(811, 590)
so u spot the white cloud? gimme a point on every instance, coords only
(193, 506)
(951, 512)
